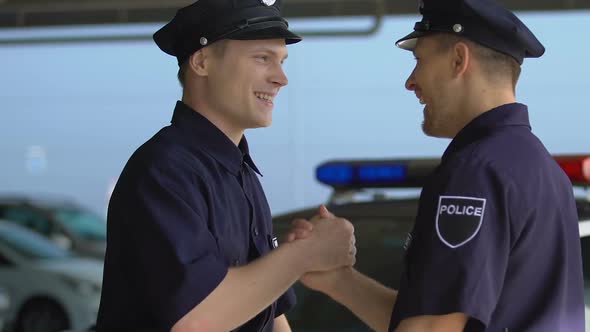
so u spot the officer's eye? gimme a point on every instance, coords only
(263, 58)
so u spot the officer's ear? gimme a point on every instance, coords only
(461, 56)
(198, 63)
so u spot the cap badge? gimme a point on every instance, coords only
(457, 28)
(268, 2)
(203, 41)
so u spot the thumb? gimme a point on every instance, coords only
(325, 213)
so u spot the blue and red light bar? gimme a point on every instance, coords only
(413, 173)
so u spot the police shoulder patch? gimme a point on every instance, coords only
(458, 219)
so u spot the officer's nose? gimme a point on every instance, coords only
(279, 77)
(411, 82)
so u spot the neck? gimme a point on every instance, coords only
(487, 99)
(483, 98)
(202, 107)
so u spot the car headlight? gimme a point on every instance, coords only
(82, 287)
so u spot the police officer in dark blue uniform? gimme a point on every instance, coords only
(495, 246)
(190, 242)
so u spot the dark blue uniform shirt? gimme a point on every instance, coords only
(496, 235)
(187, 207)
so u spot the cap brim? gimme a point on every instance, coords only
(409, 42)
(269, 32)
(164, 38)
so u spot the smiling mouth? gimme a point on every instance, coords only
(264, 97)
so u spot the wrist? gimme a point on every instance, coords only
(342, 279)
(297, 256)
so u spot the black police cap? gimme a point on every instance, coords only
(207, 21)
(482, 21)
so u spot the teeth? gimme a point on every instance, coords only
(264, 96)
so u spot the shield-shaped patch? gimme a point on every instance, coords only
(458, 219)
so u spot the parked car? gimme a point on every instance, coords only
(67, 224)
(381, 199)
(50, 289)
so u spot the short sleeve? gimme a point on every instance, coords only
(174, 257)
(460, 246)
(286, 302)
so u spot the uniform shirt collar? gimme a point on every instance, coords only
(201, 134)
(514, 114)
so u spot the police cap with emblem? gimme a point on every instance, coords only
(482, 21)
(207, 21)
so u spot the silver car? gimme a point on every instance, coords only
(50, 289)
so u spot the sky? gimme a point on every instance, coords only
(72, 114)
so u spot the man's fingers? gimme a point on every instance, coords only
(298, 234)
(290, 237)
(302, 223)
(301, 233)
(301, 229)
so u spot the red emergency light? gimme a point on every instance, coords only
(577, 168)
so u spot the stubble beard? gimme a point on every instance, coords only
(426, 124)
(430, 126)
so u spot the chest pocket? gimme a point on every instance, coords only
(230, 227)
(233, 247)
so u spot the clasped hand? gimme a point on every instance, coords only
(335, 252)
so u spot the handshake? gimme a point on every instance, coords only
(327, 246)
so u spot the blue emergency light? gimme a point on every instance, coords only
(396, 173)
(345, 175)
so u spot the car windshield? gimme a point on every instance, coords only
(29, 244)
(85, 224)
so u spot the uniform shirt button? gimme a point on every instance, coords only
(237, 262)
(255, 231)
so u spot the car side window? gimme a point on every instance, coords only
(27, 218)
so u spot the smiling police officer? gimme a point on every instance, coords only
(495, 246)
(190, 239)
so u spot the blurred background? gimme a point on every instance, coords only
(82, 85)
(72, 111)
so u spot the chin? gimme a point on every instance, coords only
(262, 124)
(430, 131)
(426, 131)
(266, 122)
